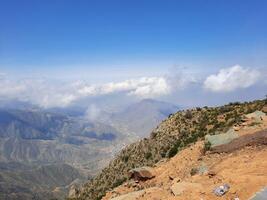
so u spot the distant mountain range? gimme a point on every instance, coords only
(39, 146)
(29, 181)
(30, 140)
(142, 117)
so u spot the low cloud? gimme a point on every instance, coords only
(233, 78)
(143, 87)
(93, 112)
(180, 78)
(151, 87)
(48, 93)
(178, 83)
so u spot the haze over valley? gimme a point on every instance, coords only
(37, 143)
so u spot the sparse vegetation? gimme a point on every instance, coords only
(173, 151)
(177, 132)
(125, 158)
(207, 146)
(148, 155)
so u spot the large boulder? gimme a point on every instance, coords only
(254, 139)
(141, 174)
(256, 116)
(224, 138)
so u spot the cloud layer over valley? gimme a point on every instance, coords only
(52, 93)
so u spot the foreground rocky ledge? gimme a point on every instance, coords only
(193, 174)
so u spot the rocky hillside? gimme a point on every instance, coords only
(239, 171)
(172, 136)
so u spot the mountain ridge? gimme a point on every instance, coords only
(171, 136)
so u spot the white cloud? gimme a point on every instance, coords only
(181, 78)
(151, 87)
(230, 79)
(10, 88)
(142, 87)
(48, 93)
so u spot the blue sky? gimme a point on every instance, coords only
(141, 35)
(107, 41)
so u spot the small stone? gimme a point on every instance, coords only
(176, 180)
(211, 174)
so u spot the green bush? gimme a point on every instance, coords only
(148, 155)
(188, 115)
(207, 146)
(125, 158)
(118, 182)
(172, 152)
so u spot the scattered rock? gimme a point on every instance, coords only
(221, 190)
(211, 173)
(141, 174)
(176, 180)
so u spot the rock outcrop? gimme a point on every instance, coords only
(220, 139)
(141, 173)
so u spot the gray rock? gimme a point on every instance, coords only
(224, 138)
(261, 195)
(257, 115)
(221, 190)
